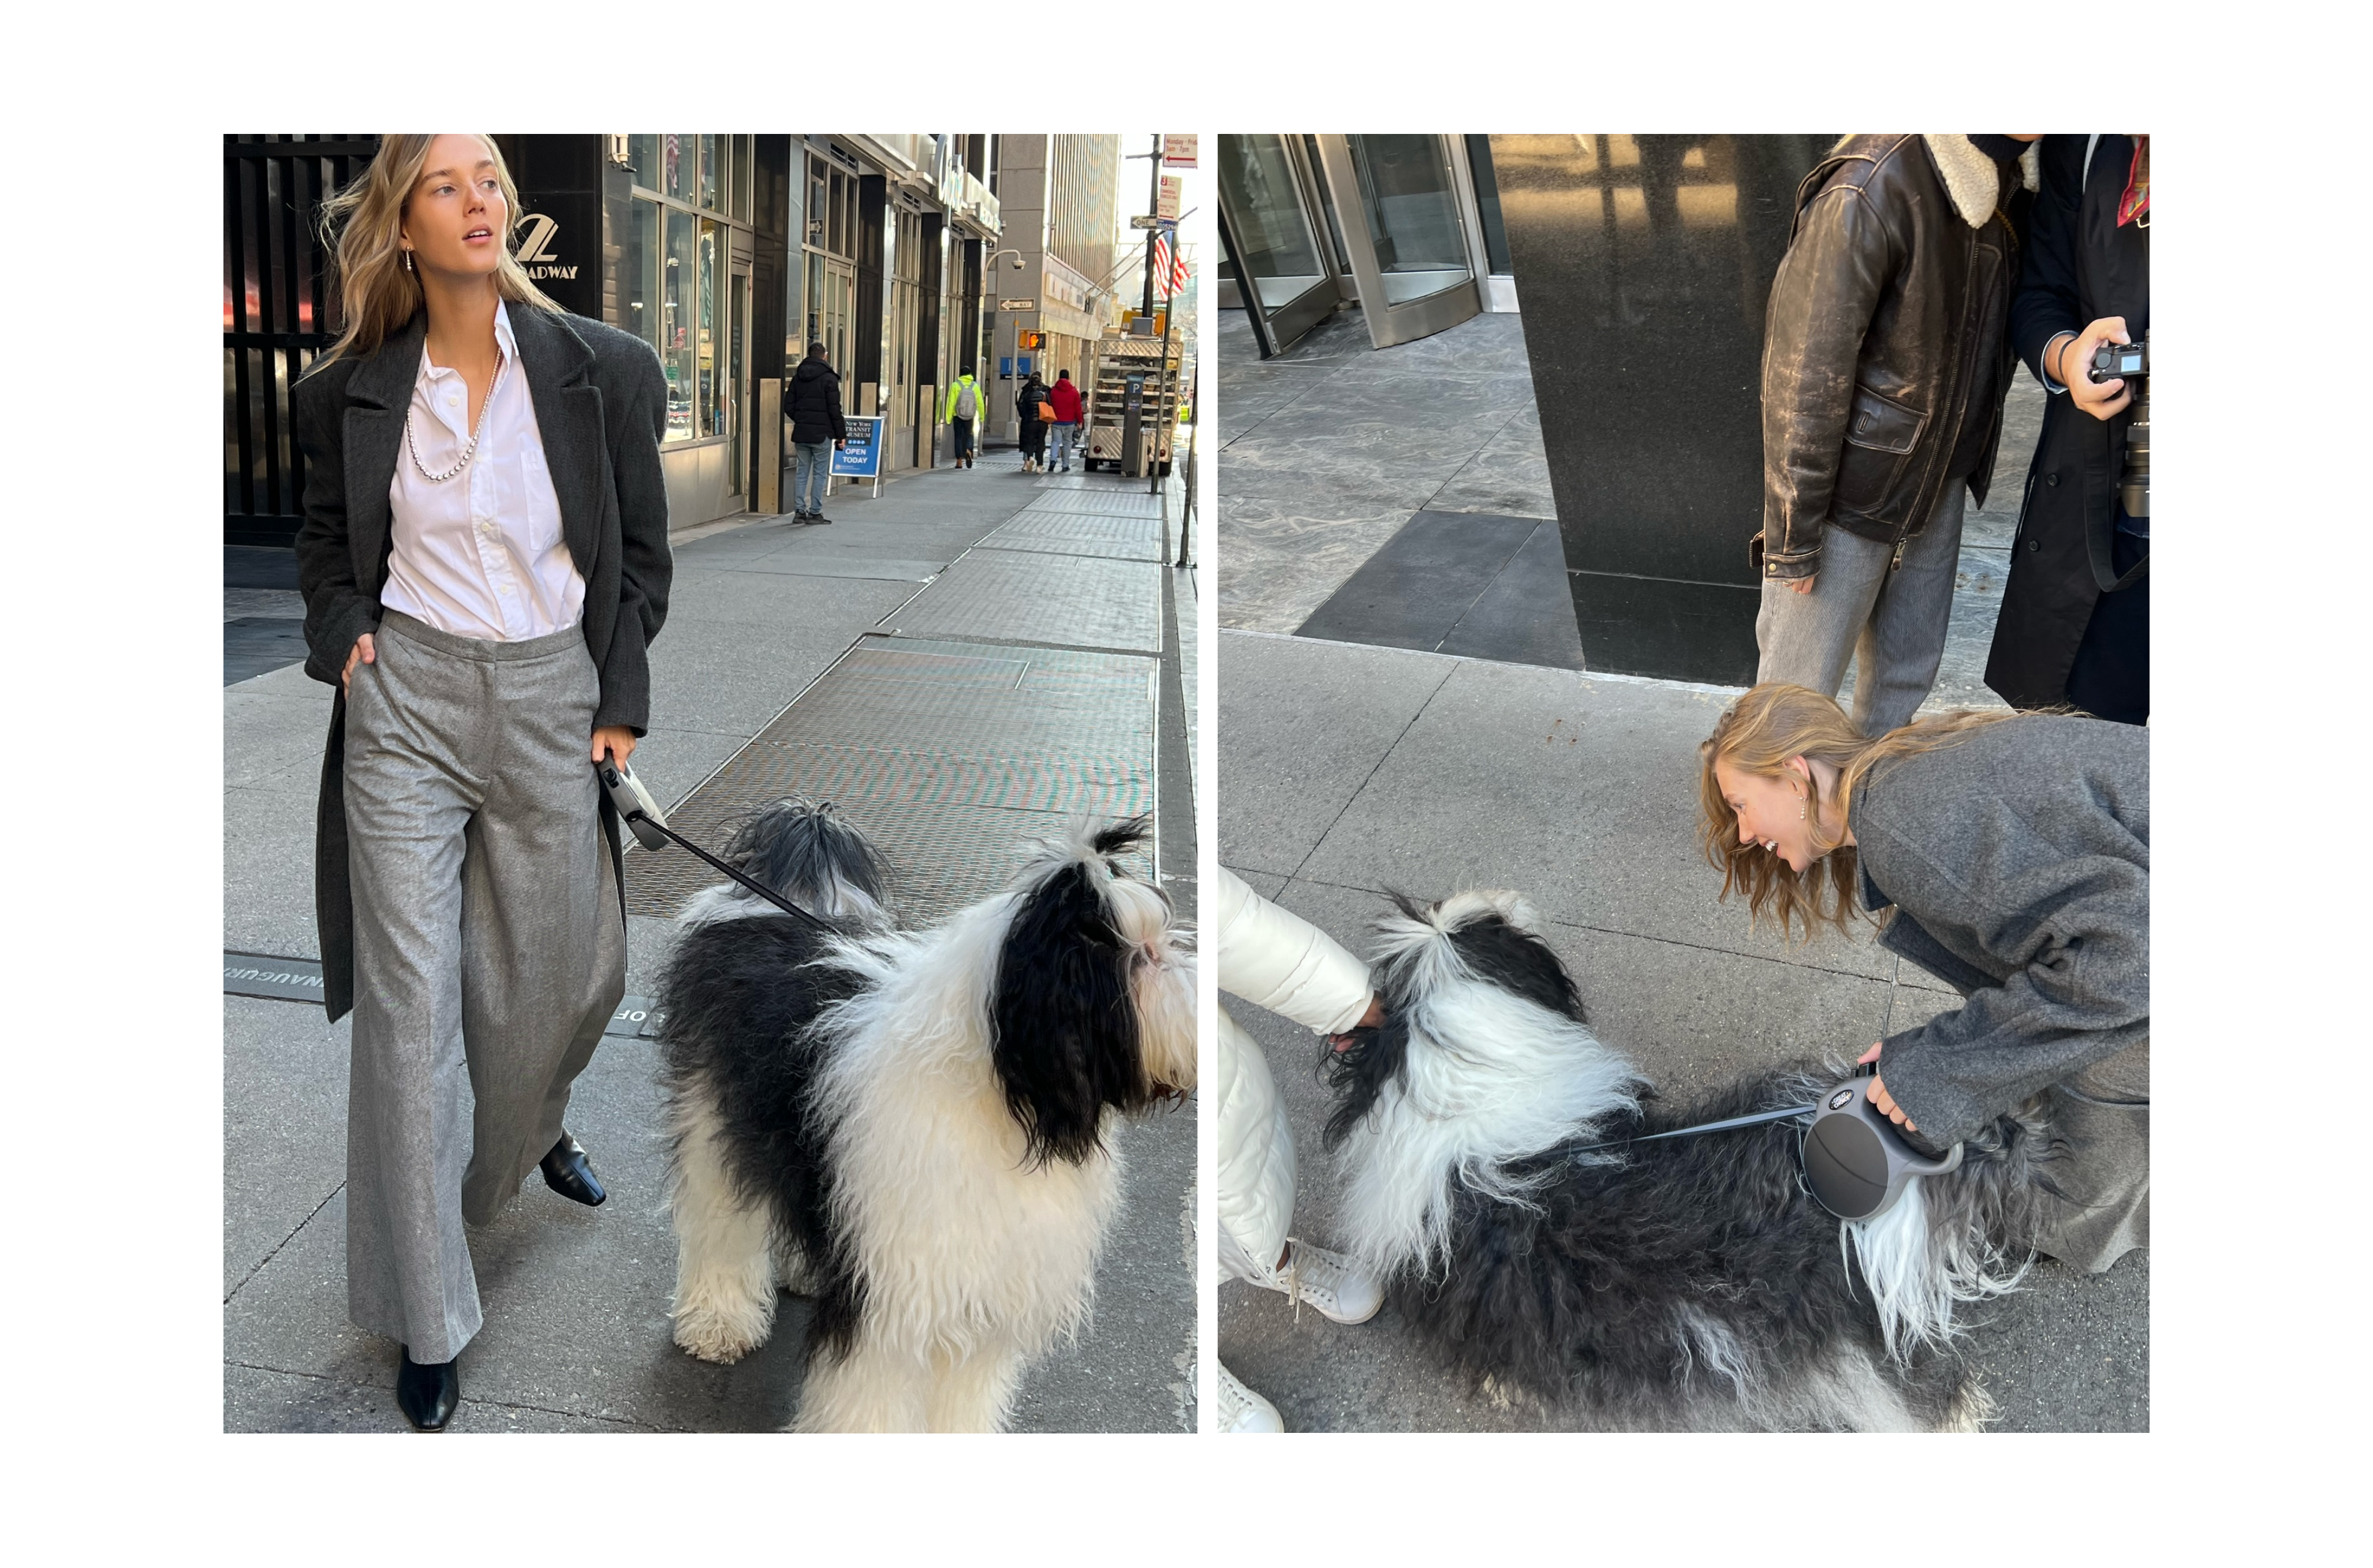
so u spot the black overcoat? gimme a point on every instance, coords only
(600, 408)
(2079, 267)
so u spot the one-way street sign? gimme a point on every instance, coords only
(1017, 304)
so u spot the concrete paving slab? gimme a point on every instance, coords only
(1302, 726)
(1581, 791)
(284, 1125)
(265, 735)
(1082, 533)
(268, 870)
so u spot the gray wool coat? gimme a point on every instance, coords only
(600, 409)
(2017, 863)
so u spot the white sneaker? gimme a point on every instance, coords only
(1241, 1409)
(1327, 1280)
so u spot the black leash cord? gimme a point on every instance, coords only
(768, 893)
(1755, 1120)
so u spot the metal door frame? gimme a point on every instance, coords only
(1275, 331)
(1391, 325)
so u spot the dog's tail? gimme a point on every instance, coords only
(806, 851)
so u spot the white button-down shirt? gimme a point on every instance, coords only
(479, 554)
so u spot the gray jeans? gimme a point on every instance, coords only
(490, 955)
(1889, 623)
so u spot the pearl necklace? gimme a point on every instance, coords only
(467, 452)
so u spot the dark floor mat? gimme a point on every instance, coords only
(1525, 616)
(257, 645)
(254, 565)
(1460, 582)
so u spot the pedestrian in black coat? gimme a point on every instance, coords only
(812, 405)
(2074, 625)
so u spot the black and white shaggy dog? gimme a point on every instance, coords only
(1691, 1284)
(910, 1126)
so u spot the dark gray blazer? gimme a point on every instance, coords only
(600, 407)
(2018, 863)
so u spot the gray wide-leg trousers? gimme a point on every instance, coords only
(1889, 622)
(487, 941)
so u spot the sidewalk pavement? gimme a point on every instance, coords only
(1347, 769)
(1401, 497)
(842, 660)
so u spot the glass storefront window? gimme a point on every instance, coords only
(712, 390)
(643, 157)
(745, 173)
(638, 274)
(675, 166)
(679, 325)
(711, 173)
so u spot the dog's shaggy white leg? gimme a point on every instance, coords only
(973, 1392)
(724, 1300)
(1971, 1408)
(875, 1387)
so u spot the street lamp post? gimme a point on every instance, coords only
(1015, 394)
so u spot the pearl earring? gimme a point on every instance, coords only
(1800, 808)
(407, 261)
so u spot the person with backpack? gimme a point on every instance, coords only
(962, 408)
(1032, 401)
(813, 409)
(1063, 408)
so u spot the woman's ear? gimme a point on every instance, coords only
(1801, 768)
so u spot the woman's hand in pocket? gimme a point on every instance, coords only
(616, 740)
(362, 652)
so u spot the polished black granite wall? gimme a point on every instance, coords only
(1642, 265)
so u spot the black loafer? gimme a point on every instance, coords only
(427, 1395)
(566, 1173)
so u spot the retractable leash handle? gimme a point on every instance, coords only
(1856, 1162)
(642, 815)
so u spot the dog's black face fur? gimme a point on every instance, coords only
(1502, 954)
(1063, 1020)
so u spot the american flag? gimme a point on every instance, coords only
(1169, 271)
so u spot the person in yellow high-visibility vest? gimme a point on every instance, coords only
(963, 399)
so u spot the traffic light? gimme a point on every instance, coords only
(1033, 340)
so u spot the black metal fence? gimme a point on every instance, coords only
(278, 312)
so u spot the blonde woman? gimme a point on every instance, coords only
(2009, 856)
(484, 562)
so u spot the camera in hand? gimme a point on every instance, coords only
(2129, 361)
(2114, 361)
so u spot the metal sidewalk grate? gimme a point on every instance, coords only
(1029, 596)
(1107, 502)
(1081, 533)
(948, 755)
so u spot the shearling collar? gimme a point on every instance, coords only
(1971, 179)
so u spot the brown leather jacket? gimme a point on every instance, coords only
(1893, 294)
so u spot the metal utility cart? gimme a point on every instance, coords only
(1119, 361)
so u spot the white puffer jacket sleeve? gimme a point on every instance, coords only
(1281, 961)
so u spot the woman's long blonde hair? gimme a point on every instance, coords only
(1758, 734)
(362, 226)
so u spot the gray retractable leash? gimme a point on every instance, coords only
(642, 814)
(1854, 1160)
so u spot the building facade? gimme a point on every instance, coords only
(727, 253)
(1058, 196)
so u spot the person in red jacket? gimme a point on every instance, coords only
(1063, 407)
